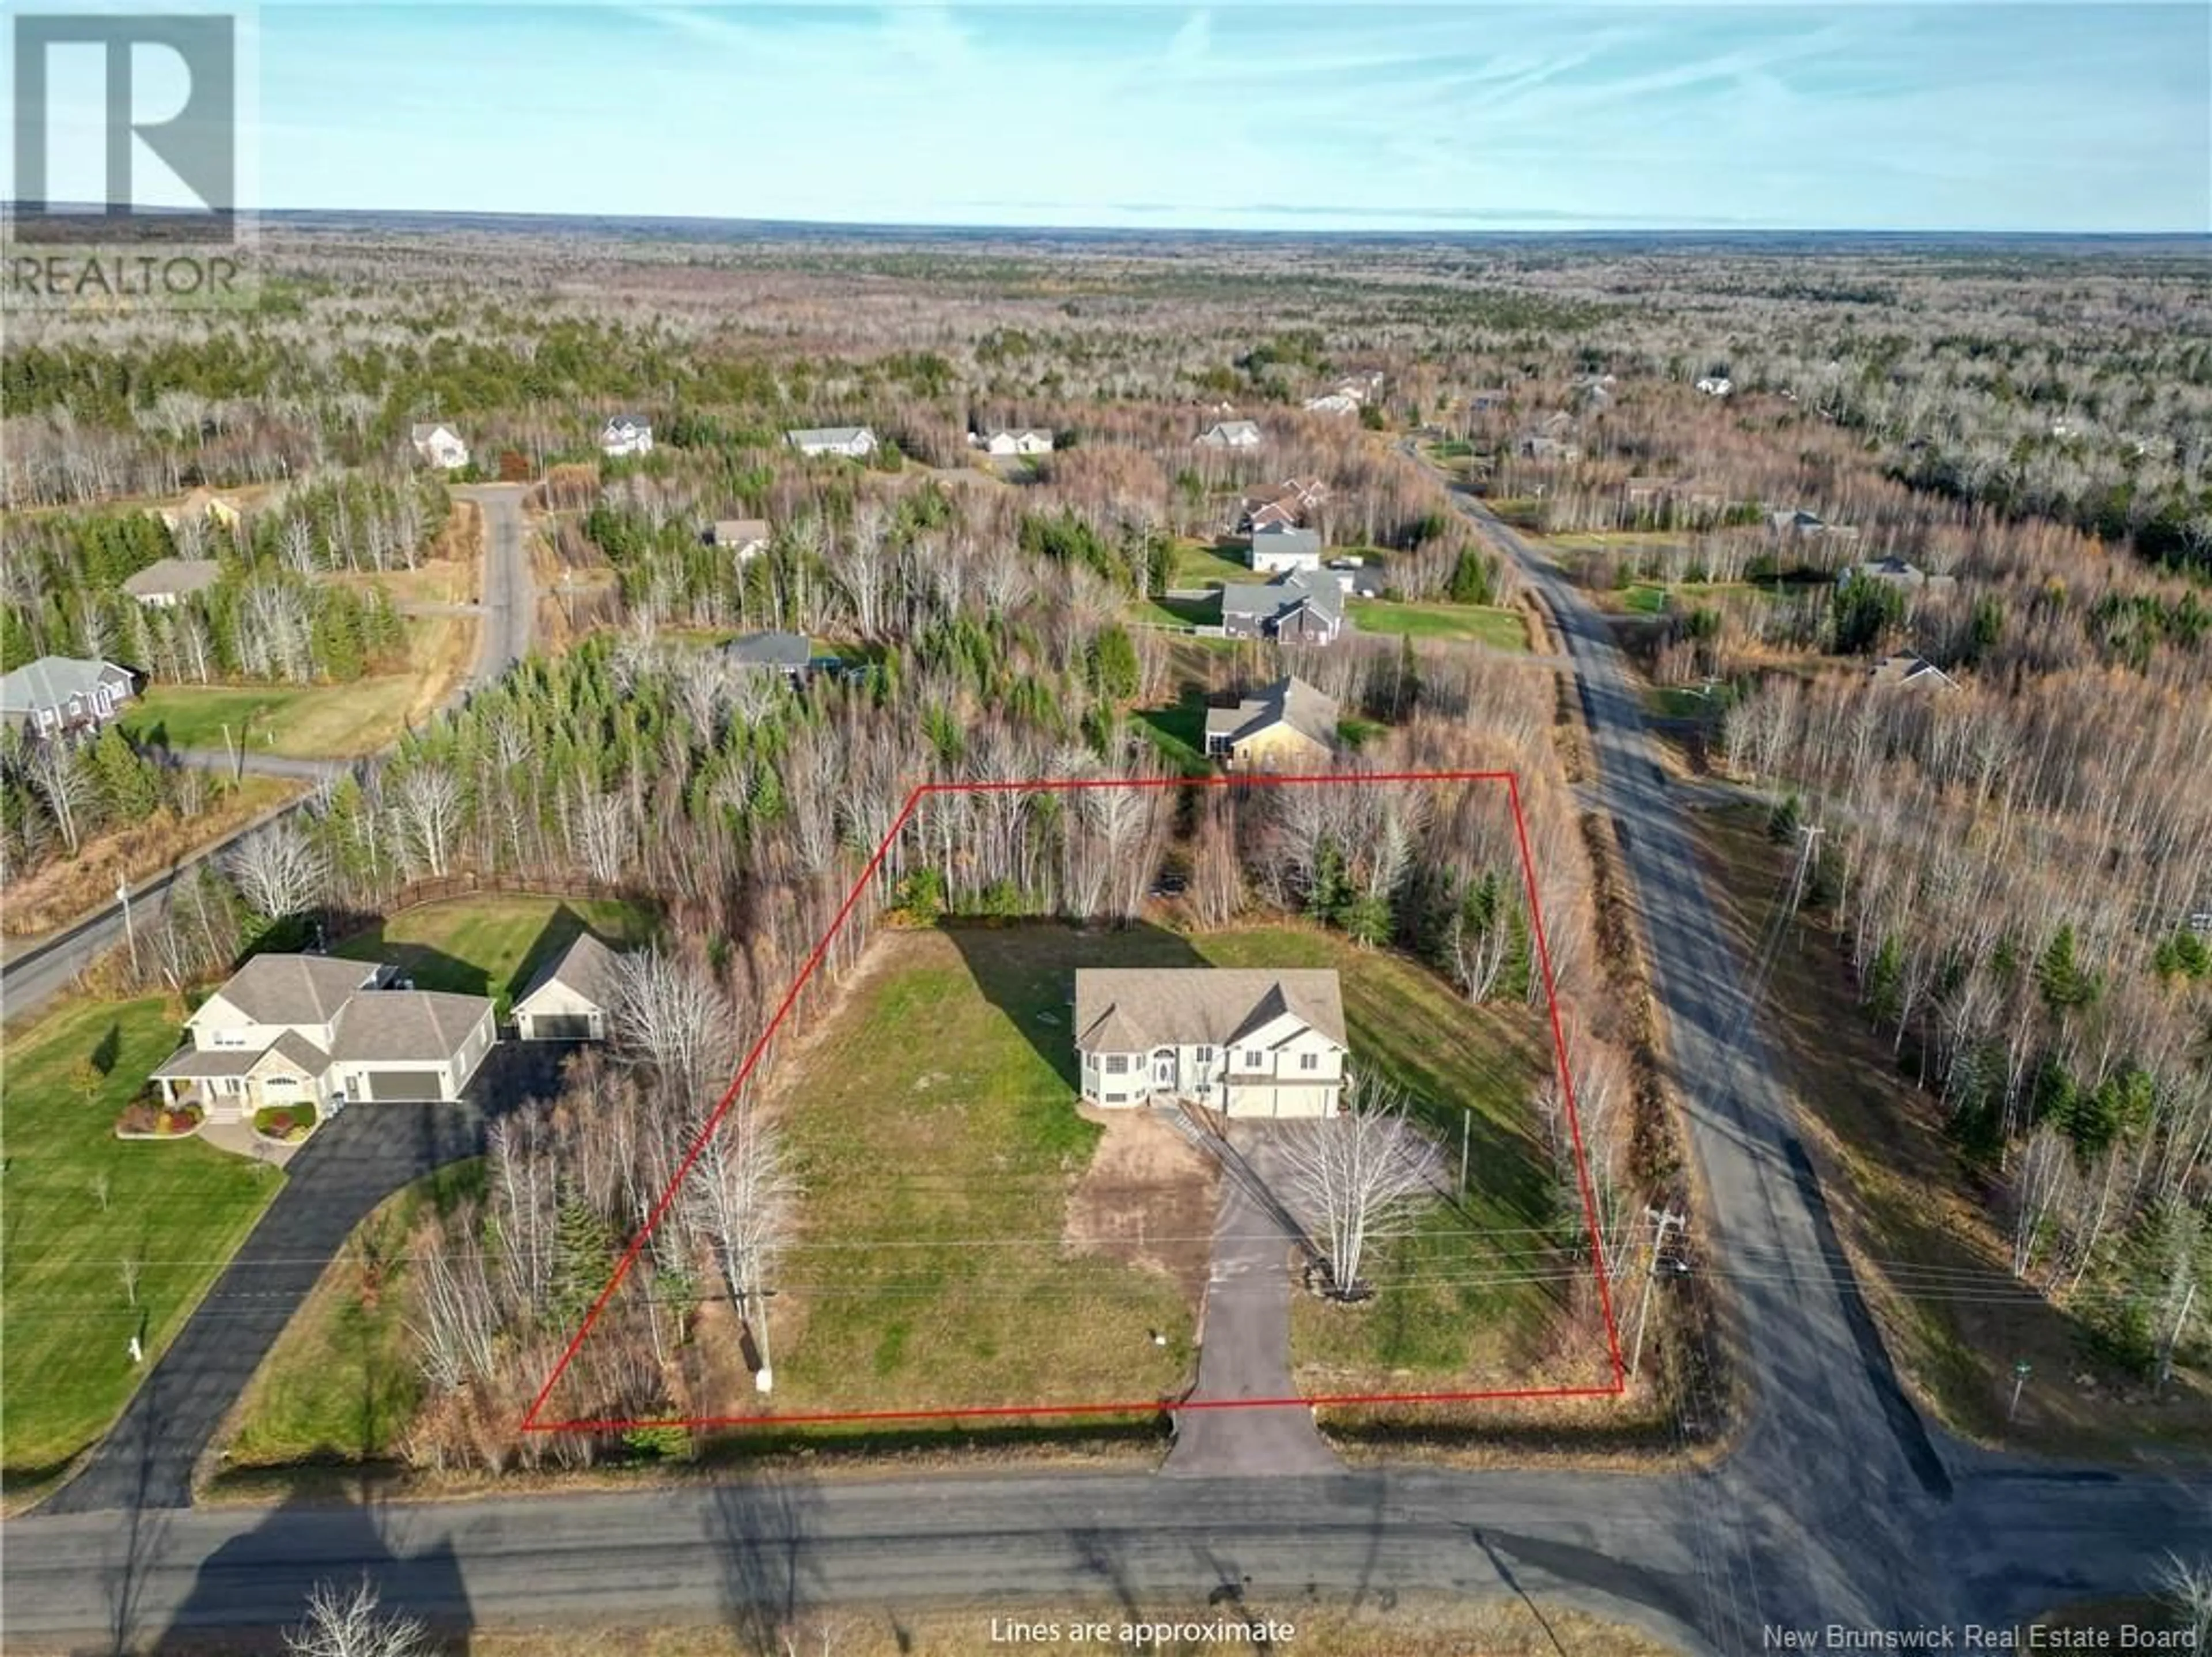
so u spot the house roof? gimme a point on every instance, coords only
(421, 433)
(770, 650)
(390, 1026)
(1229, 431)
(1285, 592)
(298, 1050)
(1018, 431)
(1906, 668)
(277, 989)
(828, 435)
(52, 680)
(190, 1062)
(1285, 538)
(172, 576)
(736, 532)
(1289, 701)
(587, 967)
(1127, 1010)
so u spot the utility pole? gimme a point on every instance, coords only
(1661, 1222)
(1465, 1137)
(129, 932)
(2173, 1340)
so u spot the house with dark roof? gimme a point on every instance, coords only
(625, 433)
(789, 653)
(1304, 606)
(68, 698)
(1893, 571)
(1249, 1042)
(1289, 725)
(572, 994)
(320, 1031)
(162, 584)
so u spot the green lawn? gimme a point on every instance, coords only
(1209, 563)
(1500, 629)
(949, 1079)
(1179, 732)
(342, 1380)
(489, 945)
(1649, 598)
(1178, 612)
(298, 721)
(179, 1208)
(934, 1123)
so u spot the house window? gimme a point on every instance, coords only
(1206, 1056)
(1117, 1065)
(1309, 1061)
(1254, 1058)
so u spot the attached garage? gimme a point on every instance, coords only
(1262, 1101)
(559, 1027)
(390, 1085)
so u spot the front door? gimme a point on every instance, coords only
(1164, 1070)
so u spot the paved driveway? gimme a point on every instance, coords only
(350, 1165)
(1245, 1346)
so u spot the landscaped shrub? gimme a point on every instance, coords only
(179, 1122)
(138, 1116)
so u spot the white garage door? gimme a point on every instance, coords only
(1278, 1101)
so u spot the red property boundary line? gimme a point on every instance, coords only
(531, 1423)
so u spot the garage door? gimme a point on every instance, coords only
(406, 1084)
(1261, 1100)
(561, 1026)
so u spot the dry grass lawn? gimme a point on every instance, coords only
(61, 893)
(1934, 1264)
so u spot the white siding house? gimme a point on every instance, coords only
(1247, 1042)
(625, 433)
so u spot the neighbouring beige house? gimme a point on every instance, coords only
(1244, 1041)
(571, 996)
(322, 1030)
(1288, 726)
(162, 583)
(1228, 433)
(743, 538)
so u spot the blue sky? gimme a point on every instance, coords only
(1963, 115)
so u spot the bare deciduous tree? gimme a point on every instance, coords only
(351, 1623)
(279, 870)
(1360, 1176)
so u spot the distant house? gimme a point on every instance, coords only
(1025, 439)
(67, 697)
(1893, 571)
(1271, 515)
(1357, 578)
(744, 538)
(572, 994)
(1907, 669)
(1335, 402)
(855, 442)
(1482, 402)
(789, 653)
(1302, 605)
(625, 433)
(162, 583)
(318, 1030)
(1246, 1041)
(1537, 446)
(1289, 724)
(1307, 491)
(1277, 546)
(1228, 433)
(1715, 385)
(440, 445)
(1795, 521)
(201, 505)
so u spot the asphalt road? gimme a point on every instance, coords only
(1836, 1506)
(508, 616)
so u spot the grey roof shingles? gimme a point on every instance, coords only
(1284, 594)
(172, 576)
(399, 1025)
(277, 989)
(770, 650)
(52, 680)
(587, 967)
(1290, 701)
(1127, 1009)
(1296, 542)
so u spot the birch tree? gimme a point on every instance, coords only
(1361, 1177)
(279, 870)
